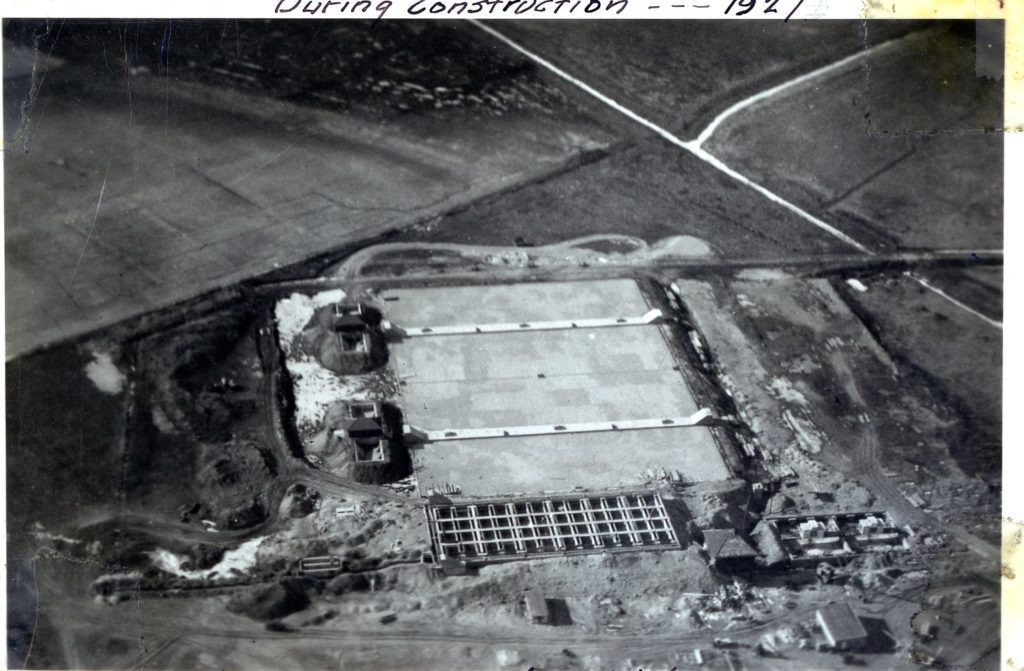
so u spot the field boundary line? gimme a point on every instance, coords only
(710, 129)
(963, 306)
(694, 147)
(714, 161)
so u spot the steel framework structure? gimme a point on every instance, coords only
(501, 530)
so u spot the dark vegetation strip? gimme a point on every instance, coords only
(978, 448)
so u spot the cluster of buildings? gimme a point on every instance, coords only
(810, 538)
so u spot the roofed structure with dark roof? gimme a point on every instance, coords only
(347, 322)
(727, 549)
(361, 426)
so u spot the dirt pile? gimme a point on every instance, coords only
(337, 453)
(324, 338)
(272, 602)
(226, 473)
(719, 505)
(199, 445)
(300, 501)
(769, 544)
(202, 556)
(594, 250)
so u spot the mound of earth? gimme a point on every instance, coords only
(349, 582)
(719, 505)
(685, 246)
(228, 474)
(299, 501)
(767, 541)
(202, 556)
(321, 339)
(337, 454)
(272, 602)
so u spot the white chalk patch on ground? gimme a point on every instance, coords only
(807, 434)
(161, 422)
(507, 658)
(763, 274)
(681, 245)
(857, 284)
(238, 561)
(785, 391)
(104, 374)
(294, 312)
(327, 297)
(317, 387)
(40, 533)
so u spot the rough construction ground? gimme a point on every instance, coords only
(181, 197)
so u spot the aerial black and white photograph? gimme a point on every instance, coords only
(467, 344)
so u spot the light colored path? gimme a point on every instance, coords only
(695, 146)
(699, 418)
(463, 329)
(924, 283)
(837, 66)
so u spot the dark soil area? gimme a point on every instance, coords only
(64, 440)
(362, 67)
(271, 602)
(894, 153)
(200, 447)
(661, 69)
(949, 350)
(981, 288)
(680, 196)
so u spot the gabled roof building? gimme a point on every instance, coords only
(841, 627)
(727, 550)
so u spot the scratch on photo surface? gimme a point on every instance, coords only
(92, 226)
(255, 170)
(36, 85)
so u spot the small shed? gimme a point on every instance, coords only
(841, 626)
(727, 550)
(536, 607)
(348, 317)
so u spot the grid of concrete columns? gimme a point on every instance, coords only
(496, 530)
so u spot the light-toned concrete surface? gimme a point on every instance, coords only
(564, 462)
(513, 327)
(560, 399)
(532, 355)
(114, 207)
(698, 418)
(563, 377)
(523, 302)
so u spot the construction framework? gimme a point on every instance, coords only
(502, 530)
